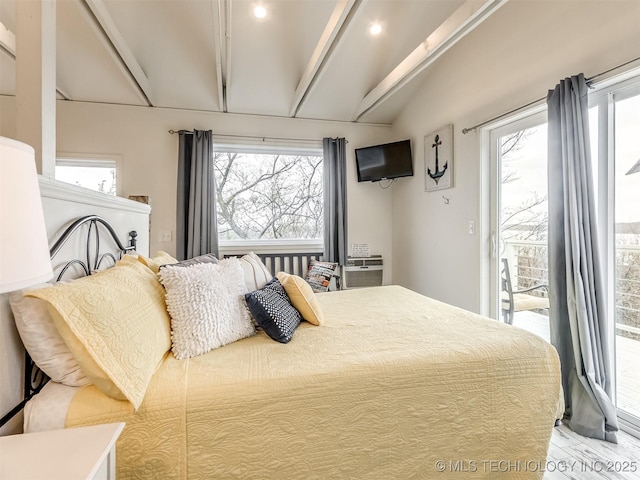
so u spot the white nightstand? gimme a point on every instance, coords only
(69, 454)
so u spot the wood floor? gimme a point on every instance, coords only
(572, 456)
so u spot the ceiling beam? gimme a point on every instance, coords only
(8, 46)
(328, 40)
(467, 17)
(7, 41)
(119, 45)
(221, 25)
(62, 94)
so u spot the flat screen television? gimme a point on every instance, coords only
(379, 162)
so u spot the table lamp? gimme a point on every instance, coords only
(24, 249)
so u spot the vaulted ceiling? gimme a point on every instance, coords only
(306, 58)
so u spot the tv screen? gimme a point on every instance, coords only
(391, 160)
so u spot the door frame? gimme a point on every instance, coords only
(604, 97)
(491, 201)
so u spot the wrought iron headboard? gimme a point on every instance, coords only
(34, 378)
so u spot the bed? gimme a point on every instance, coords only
(391, 385)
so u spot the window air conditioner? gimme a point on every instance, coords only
(362, 272)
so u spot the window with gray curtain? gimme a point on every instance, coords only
(200, 167)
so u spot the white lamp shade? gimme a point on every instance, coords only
(24, 249)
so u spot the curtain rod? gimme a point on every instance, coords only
(588, 80)
(264, 139)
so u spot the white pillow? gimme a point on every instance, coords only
(206, 305)
(42, 340)
(256, 274)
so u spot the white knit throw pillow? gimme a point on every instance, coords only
(205, 302)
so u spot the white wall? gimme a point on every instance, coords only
(149, 157)
(512, 59)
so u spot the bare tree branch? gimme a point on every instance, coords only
(269, 196)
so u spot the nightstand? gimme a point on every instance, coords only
(69, 454)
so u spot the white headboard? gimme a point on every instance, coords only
(63, 204)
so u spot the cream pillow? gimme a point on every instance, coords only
(206, 304)
(302, 297)
(42, 340)
(116, 325)
(161, 258)
(256, 274)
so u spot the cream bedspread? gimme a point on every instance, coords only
(391, 383)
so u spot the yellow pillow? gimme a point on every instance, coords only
(116, 325)
(161, 258)
(302, 297)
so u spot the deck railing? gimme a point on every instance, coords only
(528, 265)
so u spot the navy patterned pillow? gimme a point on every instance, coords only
(272, 310)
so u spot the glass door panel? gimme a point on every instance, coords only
(523, 219)
(627, 254)
(519, 220)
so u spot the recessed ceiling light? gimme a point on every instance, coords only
(375, 29)
(260, 11)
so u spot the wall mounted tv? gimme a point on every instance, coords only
(388, 161)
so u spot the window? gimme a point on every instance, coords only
(97, 174)
(518, 193)
(268, 193)
(614, 126)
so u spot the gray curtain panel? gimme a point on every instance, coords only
(197, 226)
(335, 200)
(579, 323)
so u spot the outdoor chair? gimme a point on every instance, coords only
(520, 300)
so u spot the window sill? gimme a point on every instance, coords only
(237, 247)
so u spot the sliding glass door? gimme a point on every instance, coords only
(627, 252)
(519, 219)
(516, 154)
(615, 128)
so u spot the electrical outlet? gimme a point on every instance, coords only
(472, 227)
(165, 236)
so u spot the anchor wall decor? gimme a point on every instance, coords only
(438, 156)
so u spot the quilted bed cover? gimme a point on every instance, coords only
(393, 385)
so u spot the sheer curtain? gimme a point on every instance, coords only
(197, 226)
(335, 200)
(579, 323)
